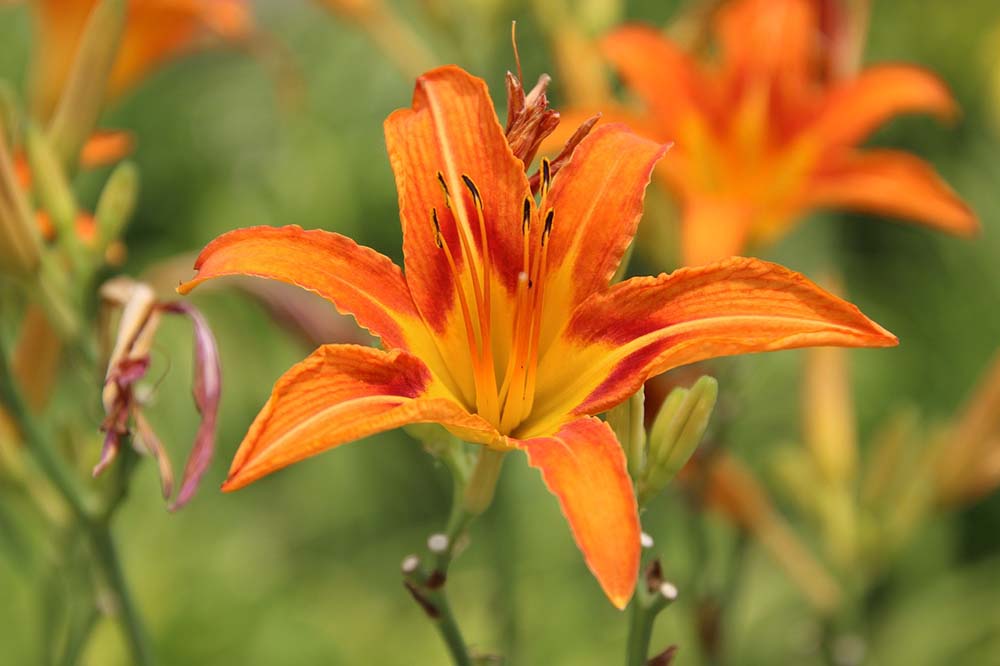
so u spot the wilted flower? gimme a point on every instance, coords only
(504, 328)
(764, 134)
(128, 364)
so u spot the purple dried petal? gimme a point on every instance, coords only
(130, 370)
(207, 389)
(152, 445)
(109, 450)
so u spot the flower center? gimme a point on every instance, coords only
(506, 399)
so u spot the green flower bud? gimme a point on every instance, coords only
(676, 433)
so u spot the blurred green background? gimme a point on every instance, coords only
(303, 566)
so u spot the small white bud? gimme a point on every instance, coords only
(645, 541)
(410, 564)
(669, 591)
(438, 543)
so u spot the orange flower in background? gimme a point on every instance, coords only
(155, 31)
(504, 328)
(764, 134)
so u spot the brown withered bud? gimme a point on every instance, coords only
(129, 363)
(530, 121)
(529, 118)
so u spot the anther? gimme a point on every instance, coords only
(546, 173)
(476, 199)
(438, 240)
(444, 188)
(547, 230)
(526, 216)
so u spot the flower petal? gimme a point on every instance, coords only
(857, 107)
(645, 326)
(452, 130)
(207, 390)
(339, 394)
(597, 200)
(713, 229)
(895, 183)
(356, 279)
(584, 467)
(768, 40)
(665, 78)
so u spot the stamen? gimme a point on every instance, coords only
(526, 219)
(485, 394)
(444, 188)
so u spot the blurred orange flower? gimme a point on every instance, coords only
(766, 132)
(155, 31)
(504, 328)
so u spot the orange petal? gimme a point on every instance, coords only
(105, 147)
(155, 31)
(857, 107)
(661, 74)
(339, 394)
(452, 130)
(645, 326)
(584, 467)
(597, 200)
(768, 39)
(894, 183)
(713, 229)
(356, 279)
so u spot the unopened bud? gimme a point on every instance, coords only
(50, 181)
(115, 206)
(627, 421)
(676, 433)
(438, 543)
(20, 243)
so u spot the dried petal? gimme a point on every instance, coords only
(207, 389)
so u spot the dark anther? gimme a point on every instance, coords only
(437, 228)
(546, 173)
(547, 230)
(476, 199)
(526, 216)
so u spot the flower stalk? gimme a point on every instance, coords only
(652, 595)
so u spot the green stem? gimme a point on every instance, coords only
(473, 493)
(96, 529)
(110, 564)
(640, 633)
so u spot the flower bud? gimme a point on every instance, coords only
(20, 244)
(115, 206)
(676, 433)
(50, 181)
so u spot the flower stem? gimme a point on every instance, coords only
(96, 529)
(473, 494)
(652, 595)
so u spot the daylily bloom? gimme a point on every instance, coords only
(155, 31)
(765, 133)
(504, 328)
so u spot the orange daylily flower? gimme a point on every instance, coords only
(765, 134)
(155, 31)
(504, 328)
